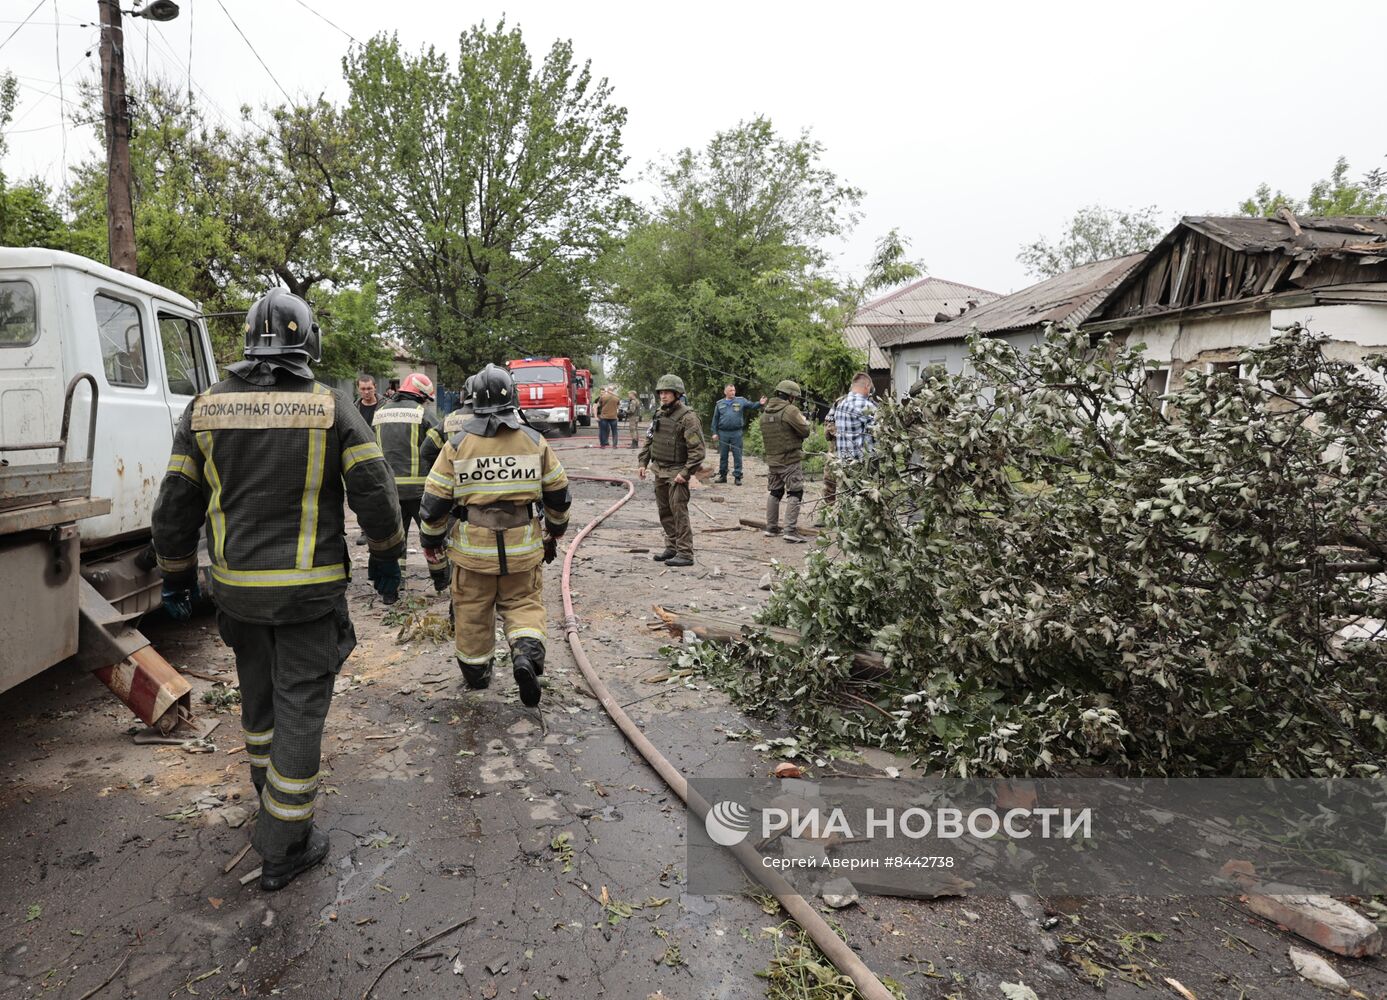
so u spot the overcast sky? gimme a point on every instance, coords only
(971, 127)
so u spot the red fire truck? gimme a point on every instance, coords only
(547, 391)
(585, 413)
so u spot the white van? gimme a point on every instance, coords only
(61, 314)
(65, 319)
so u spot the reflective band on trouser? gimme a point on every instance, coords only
(297, 810)
(279, 577)
(258, 747)
(512, 635)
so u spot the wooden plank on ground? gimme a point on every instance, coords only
(725, 628)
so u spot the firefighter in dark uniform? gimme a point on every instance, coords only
(410, 436)
(483, 501)
(265, 457)
(674, 445)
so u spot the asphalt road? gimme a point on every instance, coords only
(561, 848)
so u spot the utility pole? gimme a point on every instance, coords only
(120, 214)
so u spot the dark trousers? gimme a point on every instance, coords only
(286, 674)
(730, 441)
(604, 427)
(409, 511)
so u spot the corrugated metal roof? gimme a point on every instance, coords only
(1067, 299)
(907, 311)
(1350, 233)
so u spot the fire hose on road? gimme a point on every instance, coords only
(837, 950)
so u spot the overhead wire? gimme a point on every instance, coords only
(262, 62)
(62, 98)
(324, 19)
(22, 23)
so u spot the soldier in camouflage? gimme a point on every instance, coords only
(783, 428)
(674, 446)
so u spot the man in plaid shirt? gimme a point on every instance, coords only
(850, 426)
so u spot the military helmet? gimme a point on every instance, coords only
(492, 390)
(281, 323)
(418, 384)
(786, 387)
(673, 383)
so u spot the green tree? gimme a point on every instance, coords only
(287, 220)
(483, 195)
(350, 319)
(726, 272)
(1094, 233)
(225, 211)
(29, 214)
(1062, 572)
(1332, 195)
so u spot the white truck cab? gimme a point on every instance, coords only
(76, 503)
(61, 314)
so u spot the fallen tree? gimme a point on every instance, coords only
(1059, 570)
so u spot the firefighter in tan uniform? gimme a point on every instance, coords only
(410, 436)
(674, 445)
(265, 458)
(493, 479)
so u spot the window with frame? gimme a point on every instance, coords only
(185, 368)
(19, 315)
(912, 374)
(122, 342)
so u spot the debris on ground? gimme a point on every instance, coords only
(1316, 970)
(839, 893)
(1323, 920)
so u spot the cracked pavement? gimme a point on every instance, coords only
(444, 804)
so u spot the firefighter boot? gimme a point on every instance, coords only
(476, 675)
(528, 656)
(668, 553)
(792, 520)
(276, 875)
(772, 515)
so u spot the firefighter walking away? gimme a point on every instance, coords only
(265, 458)
(410, 436)
(506, 495)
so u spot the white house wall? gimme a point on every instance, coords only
(1354, 330)
(952, 354)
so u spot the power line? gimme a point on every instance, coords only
(62, 98)
(253, 52)
(22, 24)
(320, 17)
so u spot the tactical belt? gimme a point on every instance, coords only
(498, 517)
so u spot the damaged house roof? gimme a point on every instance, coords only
(1066, 299)
(1210, 265)
(919, 305)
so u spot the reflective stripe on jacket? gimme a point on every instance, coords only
(409, 434)
(267, 467)
(511, 467)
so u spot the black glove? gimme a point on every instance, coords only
(179, 594)
(551, 548)
(385, 574)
